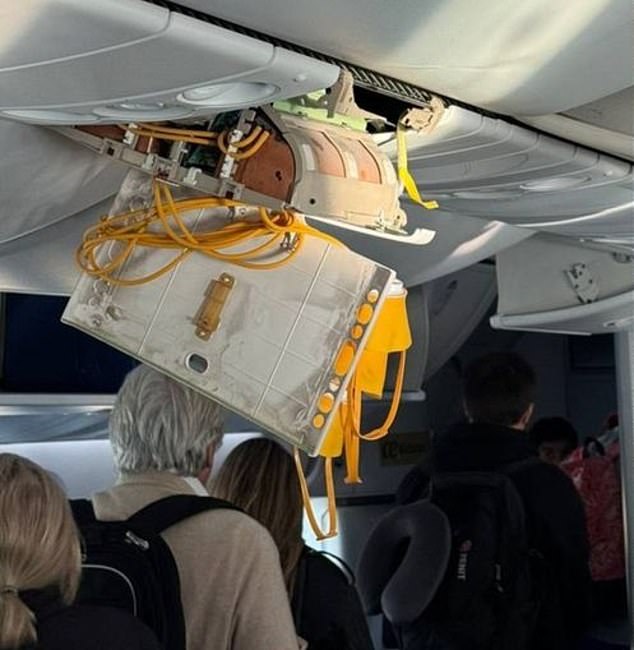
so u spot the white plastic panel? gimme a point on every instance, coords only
(458, 243)
(71, 62)
(456, 304)
(44, 178)
(56, 271)
(603, 317)
(525, 58)
(612, 113)
(276, 350)
(488, 168)
(536, 292)
(587, 135)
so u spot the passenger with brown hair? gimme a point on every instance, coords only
(259, 476)
(40, 566)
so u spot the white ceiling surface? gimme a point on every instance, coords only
(55, 271)
(104, 61)
(485, 173)
(491, 169)
(525, 58)
(459, 243)
(606, 124)
(614, 112)
(45, 178)
(456, 304)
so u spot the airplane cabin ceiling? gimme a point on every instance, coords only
(522, 58)
(614, 112)
(496, 182)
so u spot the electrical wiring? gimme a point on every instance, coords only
(241, 155)
(171, 138)
(254, 141)
(163, 226)
(159, 128)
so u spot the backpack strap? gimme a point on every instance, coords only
(341, 563)
(83, 512)
(160, 515)
(299, 588)
(525, 463)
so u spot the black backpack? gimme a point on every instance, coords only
(326, 608)
(490, 595)
(128, 565)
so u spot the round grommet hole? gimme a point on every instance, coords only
(197, 363)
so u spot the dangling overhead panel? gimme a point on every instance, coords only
(107, 61)
(270, 326)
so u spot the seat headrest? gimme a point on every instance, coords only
(404, 561)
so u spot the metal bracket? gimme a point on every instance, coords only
(423, 120)
(584, 285)
(340, 99)
(207, 318)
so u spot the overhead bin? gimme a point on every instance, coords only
(108, 61)
(479, 166)
(549, 285)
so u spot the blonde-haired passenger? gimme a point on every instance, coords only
(40, 565)
(259, 476)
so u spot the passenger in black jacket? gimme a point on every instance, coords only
(260, 477)
(40, 565)
(498, 399)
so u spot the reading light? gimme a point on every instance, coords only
(128, 112)
(242, 93)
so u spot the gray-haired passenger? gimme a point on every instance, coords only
(160, 425)
(164, 436)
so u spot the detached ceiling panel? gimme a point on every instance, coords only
(105, 61)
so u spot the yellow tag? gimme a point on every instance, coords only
(403, 172)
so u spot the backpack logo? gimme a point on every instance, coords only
(463, 559)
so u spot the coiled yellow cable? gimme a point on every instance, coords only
(161, 226)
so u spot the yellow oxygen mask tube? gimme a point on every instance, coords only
(391, 334)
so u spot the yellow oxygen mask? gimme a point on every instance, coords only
(390, 334)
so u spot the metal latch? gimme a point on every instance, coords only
(207, 318)
(584, 285)
(424, 120)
